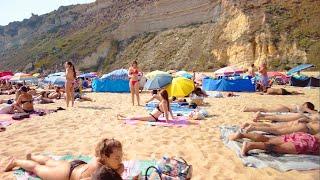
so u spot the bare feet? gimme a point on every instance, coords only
(120, 117)
(235, 136)
(257, 116)
(245, 148)
(249, 128)
(244, 109)
(11, 164)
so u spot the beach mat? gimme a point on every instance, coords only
(181, 121)
(132, 167)
(259, 159)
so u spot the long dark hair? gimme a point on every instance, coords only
(73, 69)
(165, 96)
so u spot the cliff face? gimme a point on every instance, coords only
(162, 34)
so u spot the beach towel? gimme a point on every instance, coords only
(259, 159)
(132, 167)
(180, 121)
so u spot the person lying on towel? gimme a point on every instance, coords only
(108, 153)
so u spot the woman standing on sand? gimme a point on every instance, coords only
(70, 77)
(134, 81)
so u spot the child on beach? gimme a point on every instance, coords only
(108, 153)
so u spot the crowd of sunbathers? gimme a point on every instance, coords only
(295, 130)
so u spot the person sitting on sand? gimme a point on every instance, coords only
(307, 107)
(295, 143)
(297, 123)
(155, 96)
(24, 104)
(107, 153)
(162, 108)
(280, 91)
(198, 92)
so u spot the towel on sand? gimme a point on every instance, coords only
(132, 167)
(259, 159)
(176, 108)
(180, 121)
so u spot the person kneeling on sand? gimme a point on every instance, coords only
(108, 153)
(162, 108)
(295, 143)
(306, 107)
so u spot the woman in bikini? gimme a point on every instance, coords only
(280, 91)
(134, 81)
(292, 123)
(108, 153)
(69, 87)
(295, 143)
(24, 102)
(307, 107)
(162, 108)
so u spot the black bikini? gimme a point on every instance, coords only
(74, 164)
(158, 108)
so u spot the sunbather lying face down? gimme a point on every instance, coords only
(108, 154)
(295, 143)
(307, 107)
(162, 108)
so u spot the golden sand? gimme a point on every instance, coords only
(78, 129)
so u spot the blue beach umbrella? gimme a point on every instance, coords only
(158, 82)
(299, 68)
(56, 80)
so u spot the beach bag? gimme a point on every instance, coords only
(171, 169)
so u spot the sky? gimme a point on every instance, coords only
(17, 10)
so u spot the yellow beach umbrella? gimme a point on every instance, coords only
(36, 75)
(180, 87)
(153, 74)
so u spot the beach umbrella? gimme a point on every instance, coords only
(36, 74)
(23, 77)
(152, 74)
(117, 74)
(184, 74)
(180, 87)
(7, 77)
(5, 73)
(56, 80)
(88, 75)
(299, 68)
(57, 74)
(229, 70)
(158, 82)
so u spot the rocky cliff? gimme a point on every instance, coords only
(163, 34)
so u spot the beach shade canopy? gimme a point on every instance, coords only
(23, 77)
(117, 74)
(56, 80)
(299, 68)
(158, 82)
(229, 70)
(7, 77)
(180, 87)
(184, 74)
(5, 73)
(88, 75)
(57, 74)
(36, 74)
(153, 74)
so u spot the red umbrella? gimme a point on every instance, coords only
(5, 73)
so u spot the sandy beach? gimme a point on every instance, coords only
(77, 130)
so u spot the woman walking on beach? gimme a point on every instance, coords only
(134, 81)
(70, 77)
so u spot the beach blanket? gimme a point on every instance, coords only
(6, 119)
(180, 121)
(176, 108)
(132, 167)
(259, 159)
